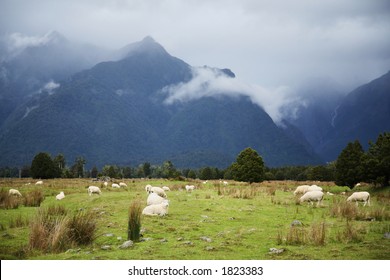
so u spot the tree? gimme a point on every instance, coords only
(94, 172)
(146, 168)
(249, 167)
(169, 170)
(60, 161)
(377, 164)
(44, 167)
(349, 165)
(78, 167)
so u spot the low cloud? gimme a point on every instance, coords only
(49, 87)
(210, 82)
(18, 41)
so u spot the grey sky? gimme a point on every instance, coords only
(268, 43)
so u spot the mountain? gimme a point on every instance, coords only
(114, 113)
(315, 115)
(29, 65)
(362, 115)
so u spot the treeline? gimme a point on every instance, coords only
(352, 166)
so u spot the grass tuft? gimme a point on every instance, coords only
(134, 222)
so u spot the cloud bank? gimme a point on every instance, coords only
(211, 82)
(265, 42)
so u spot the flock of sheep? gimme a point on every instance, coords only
(314, 193)
(157, 202)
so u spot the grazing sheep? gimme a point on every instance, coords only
(105, 184)
(60, 196)
(115, 186)
(190, 188)
(147, 188)
(156, 209)
(154, 198)
(93, 189)
(165, 188)
(156, 190)
(39, 183)
(329, 193)
(301, 189)
(312, 196)
(225, 183)
(121, 184)
(313, 188)
(360, 196)
(14, 192)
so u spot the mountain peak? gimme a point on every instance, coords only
(146, 46)
(54, 36)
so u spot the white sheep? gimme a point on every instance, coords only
(156, 209)
(121, 184)
(154, 198)
(39, 183)
(105, 184)
(190, 188)
(329, 193)
(301, 189)
(165, 188)
(312, 196)
(313, 188)
(93, 189)
(116, 186)
(360, 196)
(60, 196)
(14, 192)
(147, 188)
(225, 183)
(156, 190)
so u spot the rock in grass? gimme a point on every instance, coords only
(387, 235)
(276, 251)
(126, 244)
(205, 238)
(296, 223)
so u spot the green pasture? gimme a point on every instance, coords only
(215, 222)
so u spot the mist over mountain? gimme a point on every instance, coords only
(140, 104)
(31, 65)
(119, 112)
(362, 115)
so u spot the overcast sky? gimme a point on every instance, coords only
(269, 43)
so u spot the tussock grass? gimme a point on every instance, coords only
(350, 233)
(300, 235)
(18, 222)
(33, 198)
(134, 221)
(8, 201)
(53, 230)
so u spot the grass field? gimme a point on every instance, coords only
(215, 222)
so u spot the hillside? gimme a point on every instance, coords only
(114, 113)
(363, 114)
